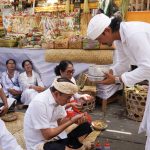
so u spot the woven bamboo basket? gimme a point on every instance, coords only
(20, 138)
(75, 45)
(88, 105)
(8, 43)
(48, 45)
(81, 56)
(90, 44)
(135, 104)
(61, 43)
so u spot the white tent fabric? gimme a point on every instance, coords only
(45, 69)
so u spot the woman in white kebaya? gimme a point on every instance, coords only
(10, 81)
(30, 82)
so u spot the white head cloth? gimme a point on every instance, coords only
(65, 87)
(97, 26)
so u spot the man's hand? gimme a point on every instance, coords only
(109, 79)
(4, 110)
(79, 119)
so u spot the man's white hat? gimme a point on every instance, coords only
(97, 26)
(65, 87)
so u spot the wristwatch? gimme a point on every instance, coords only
(117, 81)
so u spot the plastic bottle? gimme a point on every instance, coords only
(106, 145)
(98, 146)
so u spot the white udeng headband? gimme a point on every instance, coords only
(65, 87)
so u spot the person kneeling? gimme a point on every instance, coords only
(45, 120)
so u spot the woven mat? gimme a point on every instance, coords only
(20, 138)
(91, 138)
(80, 56)
(16, 125)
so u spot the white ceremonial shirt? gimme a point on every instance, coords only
(7, 141)
(43, 112)
(134, 48)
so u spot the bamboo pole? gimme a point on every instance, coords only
(148, 3)
(136, 5)
(67, 9)
(132, 4)
(142, 5)
(33, 7)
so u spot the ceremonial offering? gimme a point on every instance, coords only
(99, 125)
(9, 117)
(97, 72)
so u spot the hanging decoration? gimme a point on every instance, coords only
(67, 9)
(124, 8)
(86, 7)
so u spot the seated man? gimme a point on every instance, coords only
(46, 119)
(7, 141)
(5, 103)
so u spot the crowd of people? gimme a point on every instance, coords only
(50, 119)
(19, 87)
(46, 118)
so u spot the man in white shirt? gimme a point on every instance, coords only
(7, 141)
(45, 119)
(132, 42)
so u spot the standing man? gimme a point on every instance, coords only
(132, 42)
(45, 120)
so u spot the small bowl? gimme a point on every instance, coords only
(95, 78)
(99, 125)
(98, 70)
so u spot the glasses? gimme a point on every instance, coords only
(70, 71)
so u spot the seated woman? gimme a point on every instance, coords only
(30, 82)
(66, 69)
(10, 81)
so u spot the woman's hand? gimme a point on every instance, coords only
(76, 105)
(3, 110)
(14, 92)
(85, 97)
(37, 88)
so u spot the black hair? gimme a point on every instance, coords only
(115, 24)
(62, 67)
(27, 60)
(10, 60)
(99, 11)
